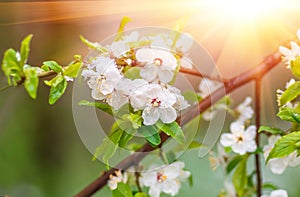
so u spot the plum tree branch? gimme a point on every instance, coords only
(234, 83)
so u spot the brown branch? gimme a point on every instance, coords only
(257, 138)
(234, 83)
(195, 72)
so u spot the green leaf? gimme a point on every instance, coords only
(289, 114)
(172, 129)
(123, 190)
(234, 162)
(25, 48)
(171, 156)
(290, 93)
(109, 145)
(123, 23)
(285, 146)
(271, 130)
(72, 69)
(151, 134)
(11, 67)
(191, 181)
(270, 186)
(136, 120)
(31, 82)
(295, 67)
(126, 137)
(133, 73)
(239, 178)
(102, 106)
(93, 45)
(57, 89)
(192, 96)
(140, 194)
(53, 66)
(194, 144)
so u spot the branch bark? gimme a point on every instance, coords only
(257, 72)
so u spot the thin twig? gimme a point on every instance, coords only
(195, 72)
(257, 139)
(234, 83)
(5, 87)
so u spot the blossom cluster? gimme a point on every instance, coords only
(163, 179)
(151, 90)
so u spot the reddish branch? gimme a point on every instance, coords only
(253, 74)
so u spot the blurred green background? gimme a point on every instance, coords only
(41, 154)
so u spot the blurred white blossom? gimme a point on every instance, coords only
(245, 110)
(115, 179)
(159, 64)
(277, 193)
(240, 140)
(164, 179)
(278, 165)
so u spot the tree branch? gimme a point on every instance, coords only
(257, 138)
(265, 66)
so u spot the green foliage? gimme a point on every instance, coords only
(151, 134)
(191, 96)
(52, 65)
(93, 45)
(120, 32)
(11, 67)
(295, 67)
(32, 81)
(24, 50)
(140, 194)
(102, 106)
(285, 146)
(73, 68)
(239, 178)
(271, 130)
(123, 190)
(234, 162)
(58, 87)
(133, 73)
(290, 93)
(172, 129)
(109, 145)
(289, 114)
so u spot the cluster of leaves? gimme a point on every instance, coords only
(289, 111)
(18, 71)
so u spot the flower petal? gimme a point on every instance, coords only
(279, 193)
(150, 115)
(149, 72)
(250, 132)
(227, 139)
(167, 115)
(165, 75)
(278, 165)
(170, 187)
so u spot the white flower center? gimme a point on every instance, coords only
(155, 102)
(158, 61)
(239, 139)
(161, 177)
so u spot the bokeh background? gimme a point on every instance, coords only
(41, 154)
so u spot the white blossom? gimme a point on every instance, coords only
(277, 193)
(240, 140)
(123, 90)
(165, 179)
(229, 190)
(159, 64)
(184, 43)
(121, 47)
(115, 179)
(102, 75)
(245, 110)
(219, 159)
(156, 103)
(280, 92)
(290, 54)
(206, 87)
(278, 165)
(181, 103)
